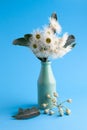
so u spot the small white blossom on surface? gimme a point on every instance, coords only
(61, 108)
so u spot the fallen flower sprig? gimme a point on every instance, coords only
(61, 108)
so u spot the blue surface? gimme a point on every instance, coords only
(19, 68)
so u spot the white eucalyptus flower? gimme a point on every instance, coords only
(47, 30)
(45, 43)
(37, 34)
(55, 25)
(63, 39)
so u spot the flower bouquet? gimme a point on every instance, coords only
(47, 43)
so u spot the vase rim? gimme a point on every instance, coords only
(47, 62)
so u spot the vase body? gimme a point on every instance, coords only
(46, 86)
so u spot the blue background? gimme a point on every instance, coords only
(19, 68)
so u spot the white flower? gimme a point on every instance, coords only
(37, 34)
(46, 44)
(55, 25)
(68, 111)
(42, 44)
(63, 40)
(69, 100)
(47, 30)
(60, 51)
(35, 41)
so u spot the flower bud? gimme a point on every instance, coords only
(61, 112)
(46, 111)
(51, 112)
(44, 105)
(55, 94)
(48, 96)
(54, 100)
(69, 100)
(68, 111)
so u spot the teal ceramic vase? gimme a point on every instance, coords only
(46, 86)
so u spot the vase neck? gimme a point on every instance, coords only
(46, 67)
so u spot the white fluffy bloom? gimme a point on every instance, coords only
(63, 39)
(59, 49)
(46, 44)
(47, 30)
(42, 43)
(55, 25)
(37, 34)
